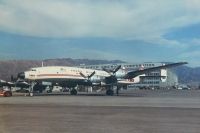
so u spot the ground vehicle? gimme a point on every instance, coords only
(5, 93)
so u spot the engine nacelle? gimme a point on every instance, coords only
(111, 80)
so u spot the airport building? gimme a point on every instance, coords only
(163, 78)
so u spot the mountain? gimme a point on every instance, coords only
(188, 75)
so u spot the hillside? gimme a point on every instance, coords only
(188, 75)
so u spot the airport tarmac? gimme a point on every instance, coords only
(141, 112)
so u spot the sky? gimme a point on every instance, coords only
(128, 30)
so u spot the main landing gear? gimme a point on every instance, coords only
(109, 92)
(73, 92)
(31, 88)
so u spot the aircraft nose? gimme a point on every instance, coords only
(21, 75)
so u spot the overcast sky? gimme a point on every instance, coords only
(129, 30)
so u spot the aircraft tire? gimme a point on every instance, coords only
(110, 92)
(73, 92)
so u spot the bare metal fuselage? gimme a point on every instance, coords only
(70, 74)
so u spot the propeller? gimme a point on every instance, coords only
(87, 77)
(112, 71)
(112, 78)
(116, 69)
(106, 70)
(13, 79)
(83, 75)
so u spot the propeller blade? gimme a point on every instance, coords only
(106, 70)
(83, 75)
(116, 69)
(11, 78)
(112, 71)
(92, 74)
(87, 77)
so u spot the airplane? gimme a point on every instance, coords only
(70, 77)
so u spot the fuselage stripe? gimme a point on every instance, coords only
(44, 75)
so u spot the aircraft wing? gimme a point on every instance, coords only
(22, 84)
(133, 74)
(14, 84)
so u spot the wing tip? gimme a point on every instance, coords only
(183, 63)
